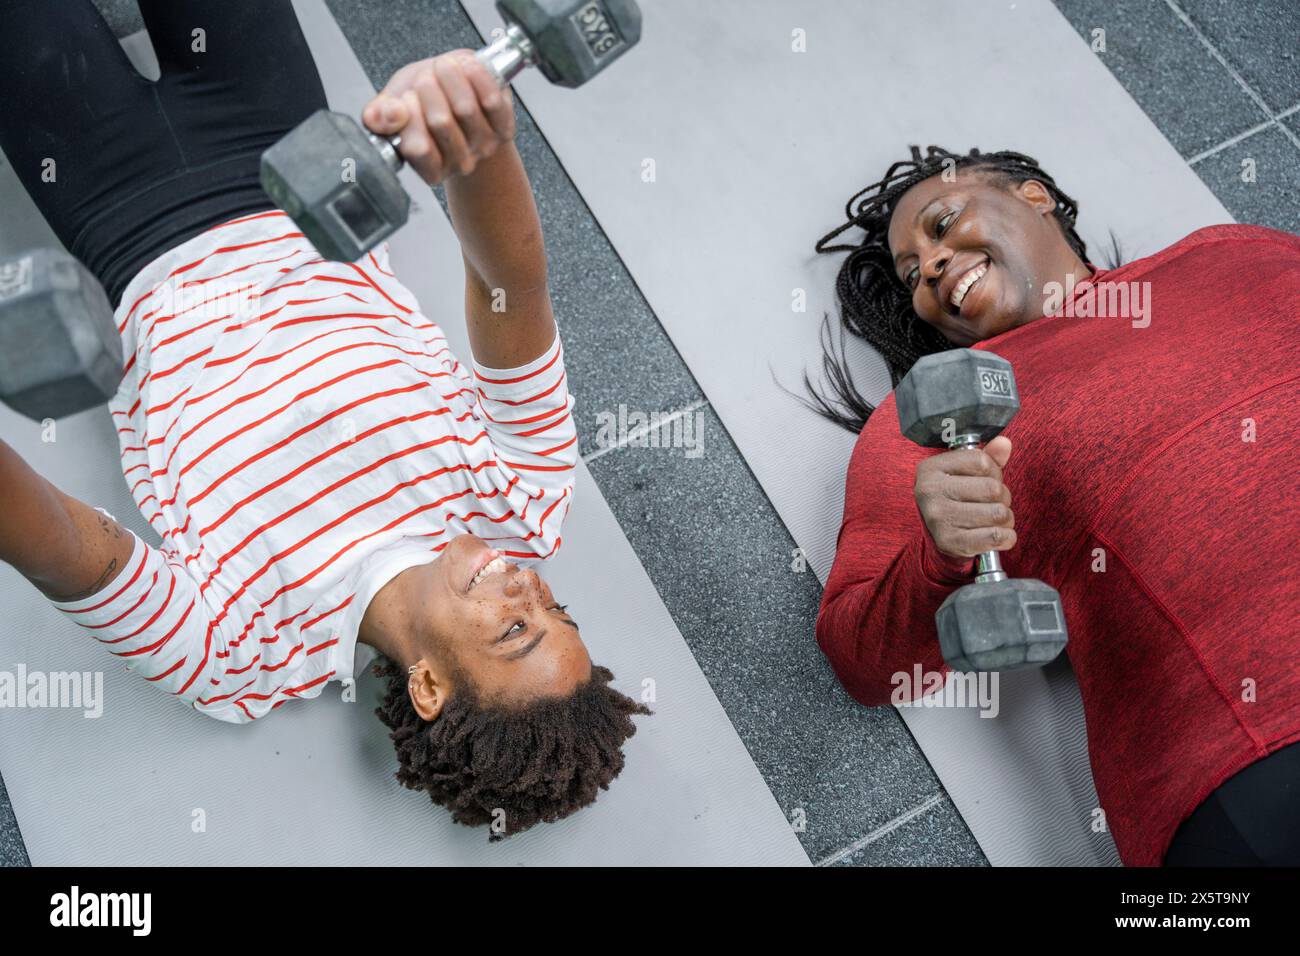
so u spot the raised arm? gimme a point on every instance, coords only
(457, 126)
(501, 237)
(67, 549)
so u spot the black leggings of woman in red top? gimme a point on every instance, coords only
(1252, 820)
(124, 168)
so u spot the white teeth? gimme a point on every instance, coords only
(959, 293)
(495, 566)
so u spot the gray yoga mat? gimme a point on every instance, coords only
(754, 149)
(313, 784)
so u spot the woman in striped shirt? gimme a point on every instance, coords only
(328, 481)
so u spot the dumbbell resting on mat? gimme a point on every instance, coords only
(60, 351)
(338, 181)
(963, 398)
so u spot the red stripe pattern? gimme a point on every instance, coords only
(296, 432)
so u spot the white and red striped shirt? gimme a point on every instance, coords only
(298, 434)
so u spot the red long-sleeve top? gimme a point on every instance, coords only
(1170, 442)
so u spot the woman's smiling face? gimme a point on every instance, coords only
(978, 253)
(473, 616)
(501, 626)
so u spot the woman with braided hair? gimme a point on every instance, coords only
(1158, 402)
(877, 305)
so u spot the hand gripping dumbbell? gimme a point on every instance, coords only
(338, 181)
(963, 398)
(60, 351)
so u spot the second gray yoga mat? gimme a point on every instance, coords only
(718, 152)
(312, 784)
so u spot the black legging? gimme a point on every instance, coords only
(1251, 820)
(139, 167)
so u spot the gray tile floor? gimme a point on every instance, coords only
(1221, 79)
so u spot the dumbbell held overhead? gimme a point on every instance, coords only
(963, 398)
(338, 181)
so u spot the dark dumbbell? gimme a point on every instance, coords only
(60, 351)
(963, 398)
(338, 181)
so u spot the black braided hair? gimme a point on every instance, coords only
(875, 305)
(521, 766)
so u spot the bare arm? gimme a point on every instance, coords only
(505, 261)
(67, 549)
(457, 126)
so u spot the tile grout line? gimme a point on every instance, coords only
(1231, 141)
(1234, 140)
(1237, 77)
(645, 430)
(1214, 52)
(882, 831)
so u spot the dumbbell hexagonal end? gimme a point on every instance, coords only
(328, 176)
(573, 40)
(60, 351)
(1001, 626)
(960, 391)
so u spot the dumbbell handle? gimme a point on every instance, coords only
(505, 57)
(988, 564)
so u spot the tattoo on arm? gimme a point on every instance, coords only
(93, 589)
(112, 530)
